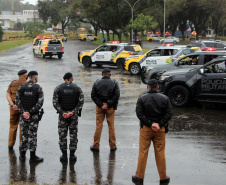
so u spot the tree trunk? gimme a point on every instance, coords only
(119, 37)
(108, 35)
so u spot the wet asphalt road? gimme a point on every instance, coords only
(195, 145)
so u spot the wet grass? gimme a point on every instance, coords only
(6, 45)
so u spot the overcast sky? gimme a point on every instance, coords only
(34, 2)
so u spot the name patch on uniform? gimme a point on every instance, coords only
(28, 93)
(68, 91)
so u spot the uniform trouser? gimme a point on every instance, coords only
(29, 129)
(158, 138)
(14, 122)
(100, 115)
(63, 126)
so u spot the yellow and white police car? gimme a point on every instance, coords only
(113, 54)
(160, 55)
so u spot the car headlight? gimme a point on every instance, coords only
(149, 68)
(163, 77)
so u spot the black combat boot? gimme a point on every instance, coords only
(63, 158)
(35, 158)
(22, 156)
(73, 157)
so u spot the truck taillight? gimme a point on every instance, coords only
(46, 48)
(33, 45)
(63, 48)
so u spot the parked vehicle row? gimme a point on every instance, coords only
(185, 73)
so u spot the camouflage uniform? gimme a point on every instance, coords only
(29, 127)
(71, 122)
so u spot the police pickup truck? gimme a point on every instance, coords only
(207, 83)
(160, 55)
(109, 54)
(194, 59)
(49, 47)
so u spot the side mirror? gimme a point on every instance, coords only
(201, 71)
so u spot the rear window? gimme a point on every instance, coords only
(36, 41)
(210, 44)
(129, 48)
(54, 42)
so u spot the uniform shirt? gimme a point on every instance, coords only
(56, 100)
(106, 90)
(37, 106)
(153, 107)
(14, 85)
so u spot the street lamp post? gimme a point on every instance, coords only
(164, 19)
(132, 7)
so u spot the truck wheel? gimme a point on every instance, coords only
(86, 61)
(134, 69)
(43, 55)
(179, 96)
(174, 42)
(120, 63)
(60, 56)
(150, 40)
(84, 39)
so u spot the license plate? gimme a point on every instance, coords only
(54, 53)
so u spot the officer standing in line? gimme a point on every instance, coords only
(14, 113)
(29, 100)
(154, 111)
(68, 100)
(105, 94)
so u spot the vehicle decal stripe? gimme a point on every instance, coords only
(117, 53)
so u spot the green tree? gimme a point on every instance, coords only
(143, 23)
(59, 11)
(35, 28)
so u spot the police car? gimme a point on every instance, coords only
(194, 59)
(109, 54)
(207, 83)
(160, 55)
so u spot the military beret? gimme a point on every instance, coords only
(153, 82)
(106, 70)
(22, 71)
(67, 76)
(32, 73)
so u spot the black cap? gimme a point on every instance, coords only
(32, 73)
(67, 76)
(22, 71)
(106, 70)
(153, 82)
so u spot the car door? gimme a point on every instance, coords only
(101, 54)
(37, 47)
(211, 85)
(152, 57)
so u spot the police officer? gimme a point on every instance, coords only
(68, 100)
(154, 111)
(14, 113)
(105, 94)
(29, 100)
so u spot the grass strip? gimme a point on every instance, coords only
(6, 45)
